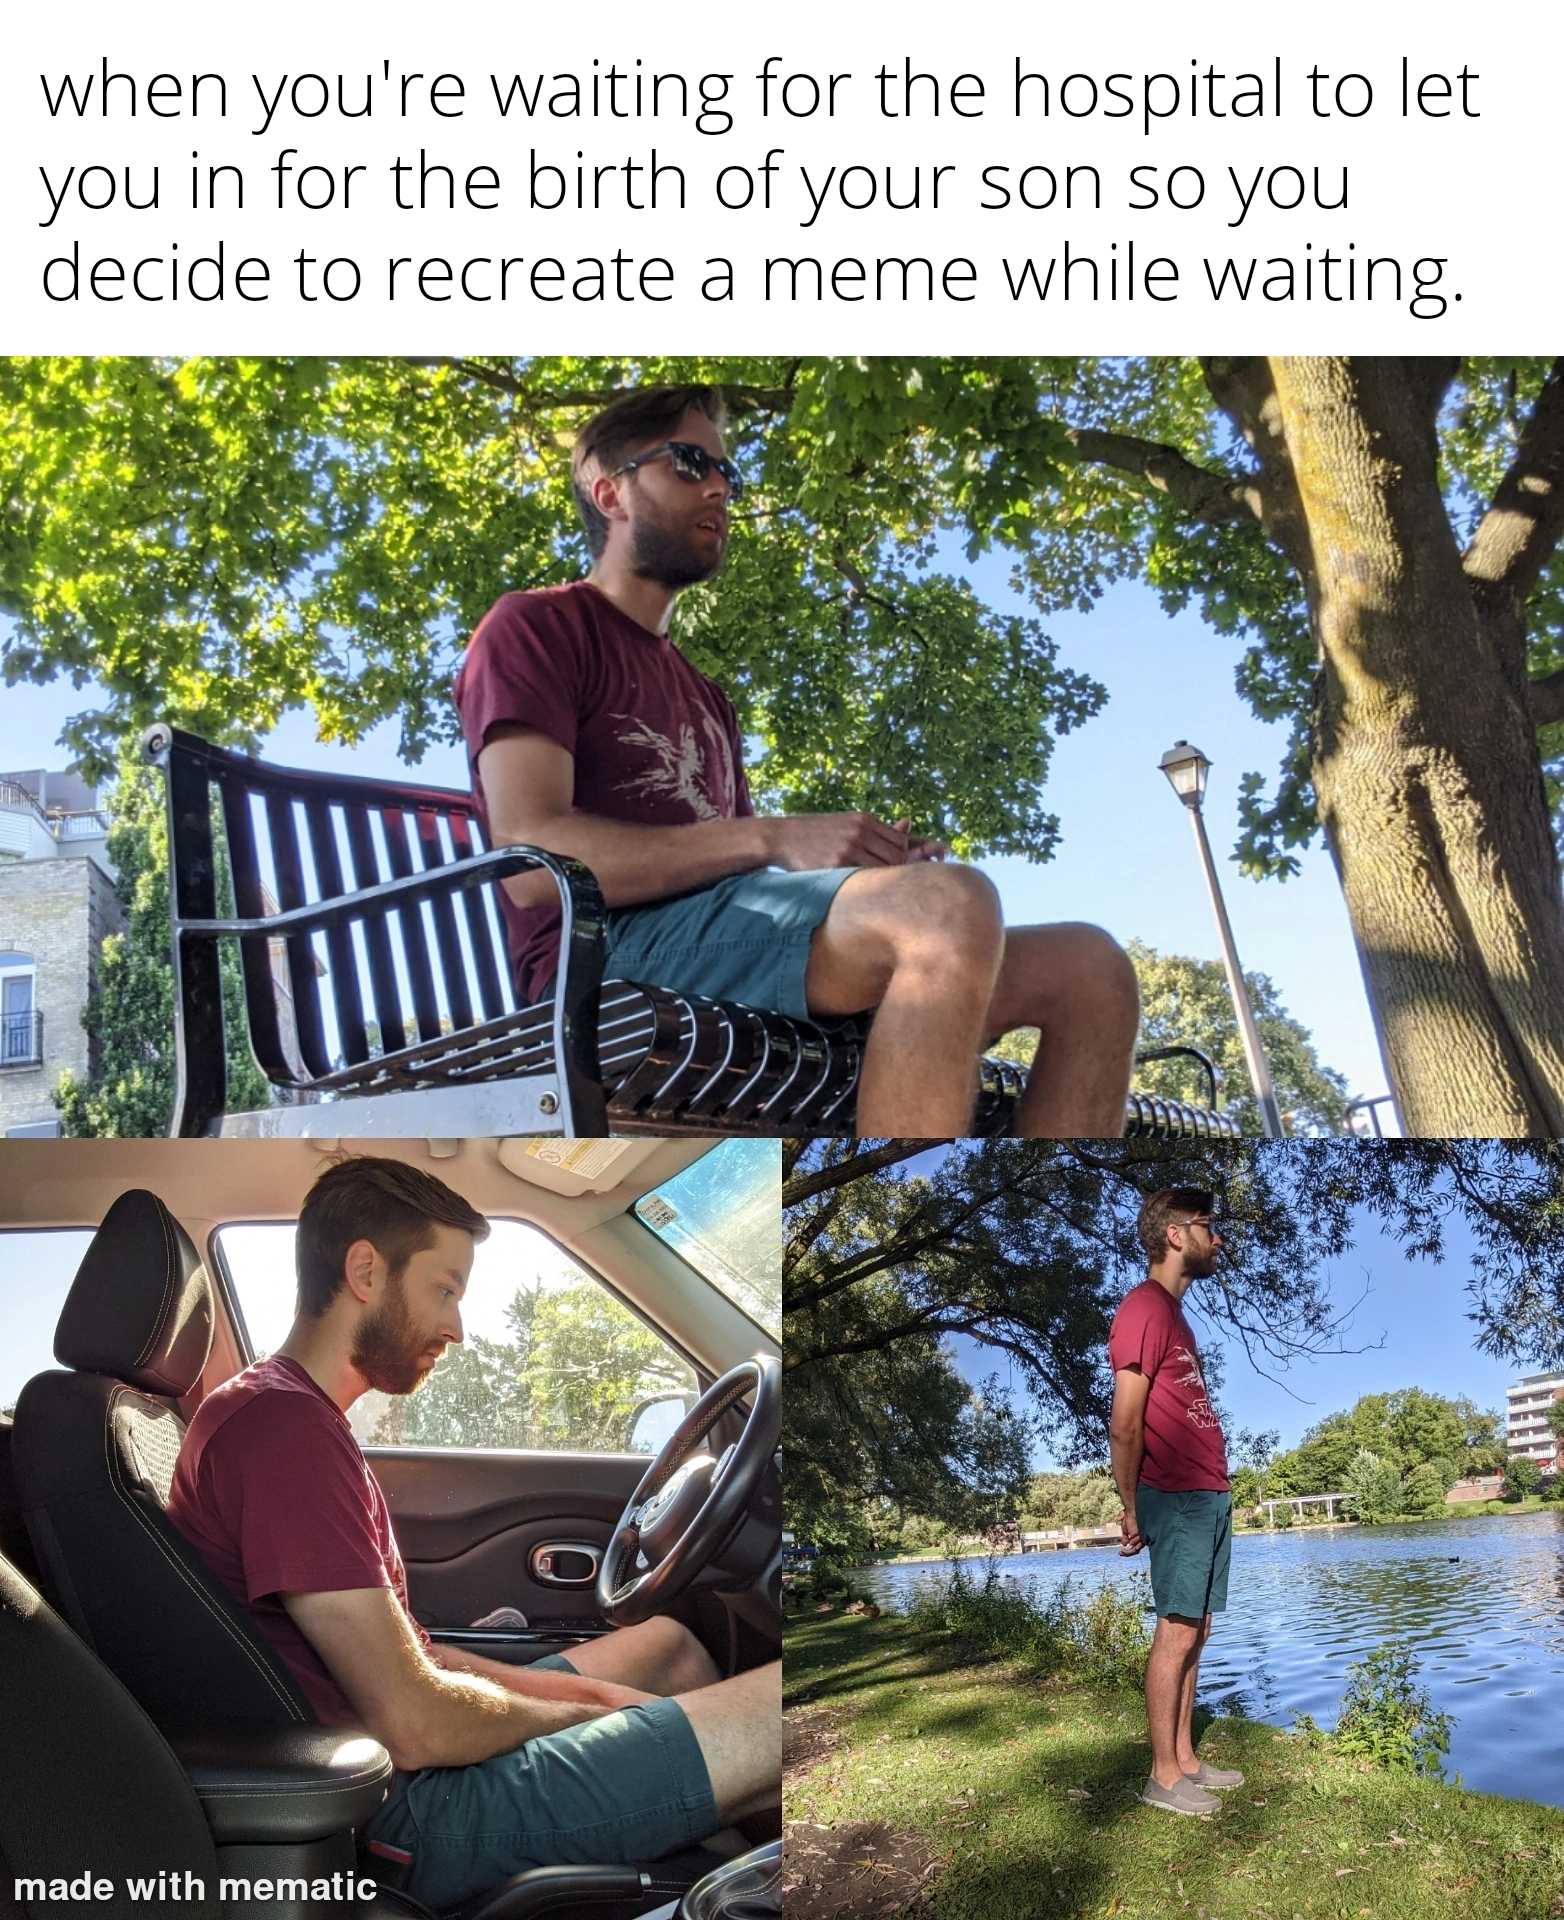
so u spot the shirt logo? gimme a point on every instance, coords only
(679, 772)
(1199, 1409)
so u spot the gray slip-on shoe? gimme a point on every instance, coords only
(1216, 1779)
(1186, 1797)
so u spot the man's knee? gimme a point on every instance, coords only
(687, 1663)
(1179, 1631)
(945, 910)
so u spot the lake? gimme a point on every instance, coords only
(1480, 1600)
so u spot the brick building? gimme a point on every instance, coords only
(57, 903)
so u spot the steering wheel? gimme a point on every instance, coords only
(688, 1505)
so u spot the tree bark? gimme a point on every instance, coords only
(1425, 763)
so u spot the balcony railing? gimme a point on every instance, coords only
(89, 824)
(21, 1039)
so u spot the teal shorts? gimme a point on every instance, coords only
(1190, 1536)
(746, 938)
(628, 1786)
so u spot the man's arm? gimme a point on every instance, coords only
(528, 783)
(1127, 1443)
(422, 1714)
(550, 1684)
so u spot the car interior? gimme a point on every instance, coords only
(148, 1728)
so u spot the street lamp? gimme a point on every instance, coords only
(1186, 768)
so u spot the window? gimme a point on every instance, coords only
(723, 1215)
(18, 1016)
(49, 1261)
(550, 1359)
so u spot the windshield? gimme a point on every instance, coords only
(723, 1215)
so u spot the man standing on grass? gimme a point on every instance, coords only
(590, 734)
(1170, 1465)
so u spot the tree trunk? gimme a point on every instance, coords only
(1425, 764)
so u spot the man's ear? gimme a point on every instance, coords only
(358, 1267)
(607, 493)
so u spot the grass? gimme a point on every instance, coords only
(1024, 1793)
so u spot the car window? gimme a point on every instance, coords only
(39, 1269)
(723, 1215)
(550, 1358)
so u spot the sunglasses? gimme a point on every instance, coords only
(690, 462)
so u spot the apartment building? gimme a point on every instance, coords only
(1527, 1433)
(57, 902)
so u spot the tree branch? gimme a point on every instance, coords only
(1516, 536)
(869, 1160)
(1220, 498)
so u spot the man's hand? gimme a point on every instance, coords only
(805, 842)
(1129, 1532)
(920, 846)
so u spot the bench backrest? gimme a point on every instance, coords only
(317, 1002)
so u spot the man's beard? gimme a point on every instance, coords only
(387, 1351)
(670, 556)
(1201, 1266)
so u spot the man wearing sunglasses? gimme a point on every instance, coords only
(1170, 1466)
(589, 733)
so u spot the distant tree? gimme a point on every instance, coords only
(1521, 1477)
(567, 1379)
(1555, 1418)
(1247, 1485)
(1423, 1490)
(1375, 1486)
(1406, 1427)
(130, 1013)
(1187, 1000)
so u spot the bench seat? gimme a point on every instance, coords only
(378, 998)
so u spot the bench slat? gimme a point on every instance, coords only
(491, 995)
(345, 995)
(415, 947)
(384, 991)
(288, 865)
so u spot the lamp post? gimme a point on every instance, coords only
(1186, 768)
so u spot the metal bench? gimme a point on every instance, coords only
(373, 959)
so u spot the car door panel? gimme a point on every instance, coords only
(469, 1522)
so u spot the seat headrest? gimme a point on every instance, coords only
(140, 1307)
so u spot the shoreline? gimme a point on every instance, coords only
(1477, 1510)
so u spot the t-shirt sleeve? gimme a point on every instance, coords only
(1138, 1338)
(304, 1522)
(522, 668)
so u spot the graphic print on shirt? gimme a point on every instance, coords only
(680, 772)
(1198, 1410)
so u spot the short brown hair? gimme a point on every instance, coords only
(1160, 1211)
(361, 1197)
(647, 413)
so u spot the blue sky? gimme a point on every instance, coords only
(1127, 860)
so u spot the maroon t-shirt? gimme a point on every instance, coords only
(655, 741)
(272, 1491)
(1184, 1445)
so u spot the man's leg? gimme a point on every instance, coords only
(738, 1726)
(660, 1655)
(922, 945)
(925, 946)
(1173, 1650)
(1075, 984)
(1188, 1759)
